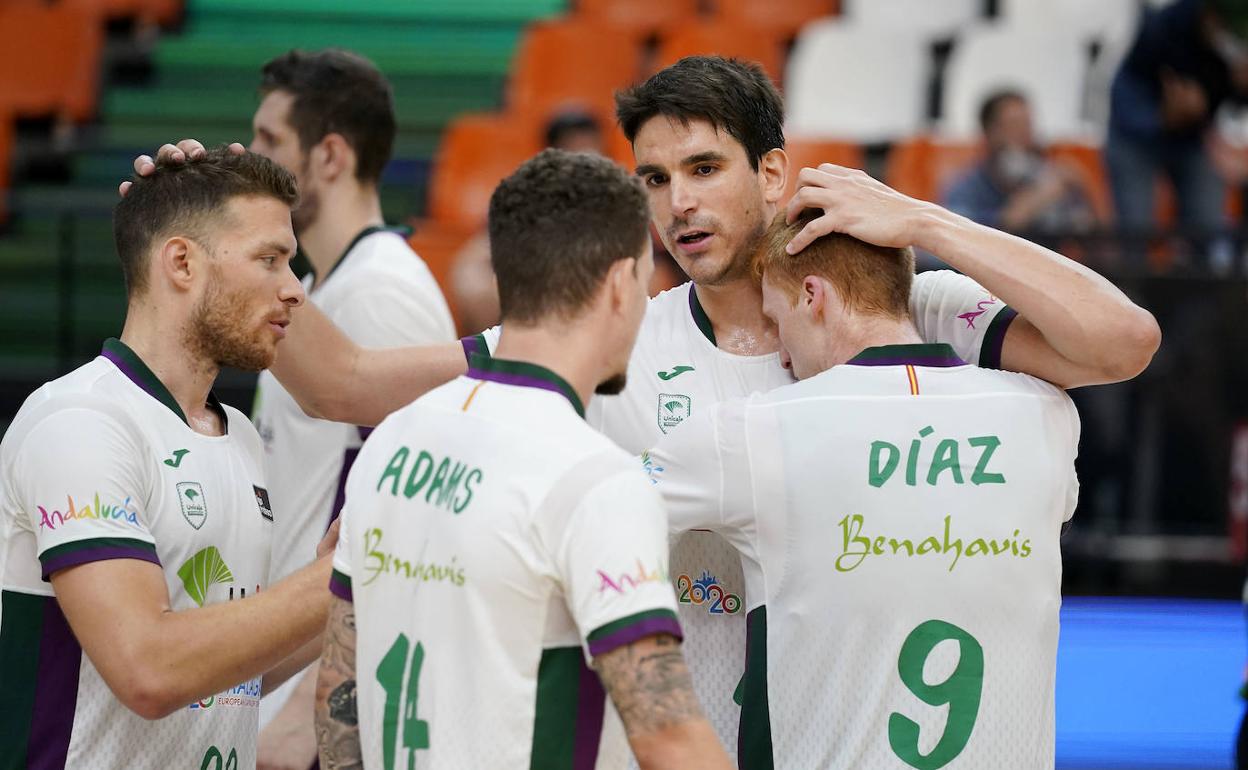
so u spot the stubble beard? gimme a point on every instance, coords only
(612, 386)
(217, 331)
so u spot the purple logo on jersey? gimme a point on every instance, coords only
(980, 308)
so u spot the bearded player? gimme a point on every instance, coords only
(135, 518)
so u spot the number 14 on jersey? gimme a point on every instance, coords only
(390, 675)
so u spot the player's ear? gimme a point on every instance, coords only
(813, 298)
(773, 172)
(340, 159)
(621, 278)
(176, 262)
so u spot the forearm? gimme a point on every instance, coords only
(183, 651)
(333, 378)
(686, 746)
(1084, 318)
(652, 690)
(337, 719)
(293, 665)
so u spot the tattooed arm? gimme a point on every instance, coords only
(651, 688)
(337, 723)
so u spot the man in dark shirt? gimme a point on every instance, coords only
(1186, 60)
(1015, 187)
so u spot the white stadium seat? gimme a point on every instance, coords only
(849, 82)
(1049, 68)
(931, 18)
(1100, 20)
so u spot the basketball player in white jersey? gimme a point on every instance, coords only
(138, 626)
(328, 118)
(494, 543)
(898, 514)
(708, 140)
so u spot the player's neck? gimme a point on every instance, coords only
(867, 332)
(571, 352)
(344, 213)
(187, 374)
(736, 313)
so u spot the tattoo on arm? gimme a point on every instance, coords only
(337, 721)
(649, 684)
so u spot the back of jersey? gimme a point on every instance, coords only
(491, 543)
(907, 531)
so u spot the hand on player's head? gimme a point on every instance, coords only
(144, 165)
(853, 203)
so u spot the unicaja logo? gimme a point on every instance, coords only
(202, 571)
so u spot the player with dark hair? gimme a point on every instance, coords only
(471, 596)
(135, 515)
(328, 118)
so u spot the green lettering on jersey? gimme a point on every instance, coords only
(447, 483)
(943, 465)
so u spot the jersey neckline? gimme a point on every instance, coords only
(928, 354)
(367, 231)
(700, 318)
(522, 374)
(129, 364)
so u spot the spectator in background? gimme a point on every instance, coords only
(1015, 187)
(1187, 59)
(474, 292)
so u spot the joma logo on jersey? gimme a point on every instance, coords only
(52, 519)
(707, 590)
(674, 408)
(448, 486)
(946, 458)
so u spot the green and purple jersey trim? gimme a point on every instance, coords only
(936, 355)
(475, 345)
(340, 586)
(72, 554)
(994, 338)
(126, 360)
(522, 374)
(628, 630)
(39, 664)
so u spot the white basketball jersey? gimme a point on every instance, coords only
(492, 544)
(899, 518)
(101, 464)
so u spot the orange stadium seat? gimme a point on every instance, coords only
(49, 60)
(571, 63)
(476, 152)
(640, 18)
(163, 12)
(725, 39)
(781, 20)
(437, 243)
(923, 168)
(805, 153)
